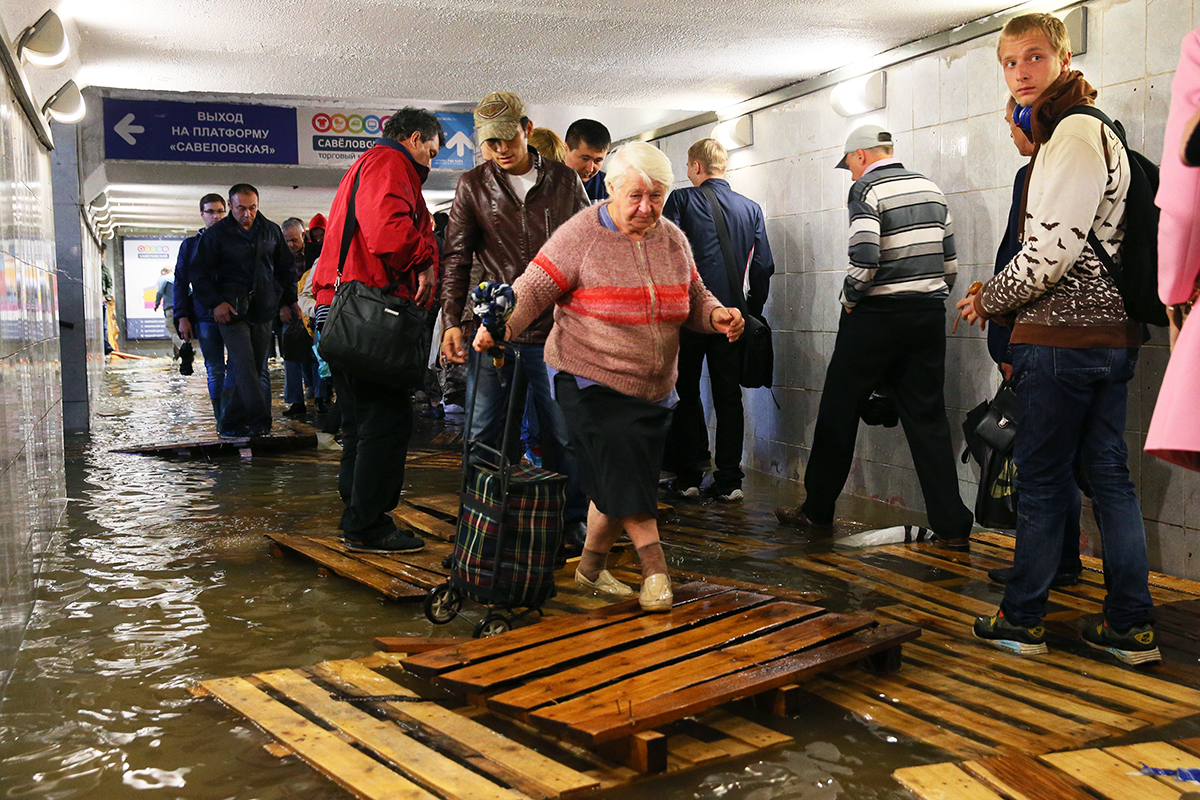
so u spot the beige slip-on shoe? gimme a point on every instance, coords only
(656, 593)
(604, 583)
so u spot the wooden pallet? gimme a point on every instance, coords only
(1110, 772)
(378, 738)
(225, 446)
(606, 677)
(405, 576)
(975, 701)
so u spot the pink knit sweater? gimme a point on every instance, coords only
(620, 303)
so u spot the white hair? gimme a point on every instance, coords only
(644, 160)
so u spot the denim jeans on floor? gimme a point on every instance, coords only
(246, 397)
(296, 376)
(487, 418)
(1072, 404)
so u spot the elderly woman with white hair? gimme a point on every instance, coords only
(624, 282)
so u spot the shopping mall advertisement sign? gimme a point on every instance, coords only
(334, 137)
(145, 260)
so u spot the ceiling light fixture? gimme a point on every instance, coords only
(734, 134)
(66, 105)
(860, 95)
(44, 43)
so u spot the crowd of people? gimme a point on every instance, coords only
(625, 289)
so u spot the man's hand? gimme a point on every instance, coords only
(185, 328)
(1006, 370)
(224, 313)
(424, 286)
(155, 306)
(452, 346)
(285, 314)
(966, 310)
(728, 321)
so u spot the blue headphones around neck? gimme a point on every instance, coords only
(1023, 118)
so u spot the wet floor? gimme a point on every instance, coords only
(161, 578)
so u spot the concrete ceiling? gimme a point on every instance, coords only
(630, 63)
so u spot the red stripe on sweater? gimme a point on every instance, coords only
(546, 264)
(630, 305)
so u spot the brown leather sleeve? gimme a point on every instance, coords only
(462, 238)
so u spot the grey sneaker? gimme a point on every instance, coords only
(395, 542)
(732, 496)
(1135, 645)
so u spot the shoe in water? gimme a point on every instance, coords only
(295, 410)
(732, 496)
(325, 441)
(794, 515)
(688, 492)
(999, 632)
(656, 595)
(604, 583)
(395, 542)
(1135, 645)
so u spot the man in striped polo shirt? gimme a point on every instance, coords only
(892, 334)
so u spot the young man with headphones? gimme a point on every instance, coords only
(1074, 350)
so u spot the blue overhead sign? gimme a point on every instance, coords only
(459, 152)
(163, 130)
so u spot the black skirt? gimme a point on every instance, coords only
(618, 444)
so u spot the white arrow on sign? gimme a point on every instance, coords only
(459, 141)
(125, 128)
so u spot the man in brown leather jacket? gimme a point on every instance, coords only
(504, 211)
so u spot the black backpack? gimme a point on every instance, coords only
(1137, 275)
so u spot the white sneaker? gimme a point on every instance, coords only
(736, 496)
(691, 492)
(656, 594)
(325, 441)
(605, 583)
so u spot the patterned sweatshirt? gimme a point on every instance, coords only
(1056, 286)
(620, 303)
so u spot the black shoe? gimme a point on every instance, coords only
(574, 535)
(395, 542)
(794, 515)
(1022, 641)
(322, 406)
(1005, 574)
(959, 544)
(1135, 645)
(295, 410)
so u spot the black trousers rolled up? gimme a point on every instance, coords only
(904, 350)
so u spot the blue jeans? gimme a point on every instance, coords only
(1072, 404)
(488, 415)
(212, 345)
(297, 375)
(245, 396)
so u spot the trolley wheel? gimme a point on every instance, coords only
(442, 604)
(492, 625)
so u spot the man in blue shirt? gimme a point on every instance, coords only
(587, 145)
(687, 444)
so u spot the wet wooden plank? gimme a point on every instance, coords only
(417, 644)
(943, 782)
(554, 656)
(527, 770)
(419, 763)
(695, 751)
(430, 664)
(1023, 778)
(562, 684)
(346, 766)
(1108, 776)
(443, 504)
(718, 677)
(954, 600)
(753, 734)
(418, 520)
(1190, 745)
(393, 565)
(1157, 754)
(350, 568)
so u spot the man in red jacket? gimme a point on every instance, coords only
(391, 242)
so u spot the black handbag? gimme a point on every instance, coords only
(295, 344)
(758, 355)
(998, 427)
(370, 333)
(989, 430)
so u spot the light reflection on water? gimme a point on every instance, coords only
(162, 579)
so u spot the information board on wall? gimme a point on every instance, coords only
(162, 130)
(145, 260)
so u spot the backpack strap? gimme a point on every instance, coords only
(731, 269)
(1111, 266)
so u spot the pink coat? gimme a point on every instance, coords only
(1174, 433)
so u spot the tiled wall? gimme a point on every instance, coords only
(945, 110)
(32, 493)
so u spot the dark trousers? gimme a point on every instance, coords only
(687, 444)
(377, 422)
(245, 398)
(904, 350)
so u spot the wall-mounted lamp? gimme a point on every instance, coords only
(44, 43)
(734, 133)
(860, 95)
(66, 105)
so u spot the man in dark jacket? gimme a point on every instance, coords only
(504, 211)
(243, 272)
(689, 208)
(391, 242)
(193, 319)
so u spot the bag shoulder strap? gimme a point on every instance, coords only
(350, 226)
(731, 268)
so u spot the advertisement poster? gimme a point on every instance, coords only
(145, 260)
(336, 136)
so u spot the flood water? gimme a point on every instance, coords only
(161, 578)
